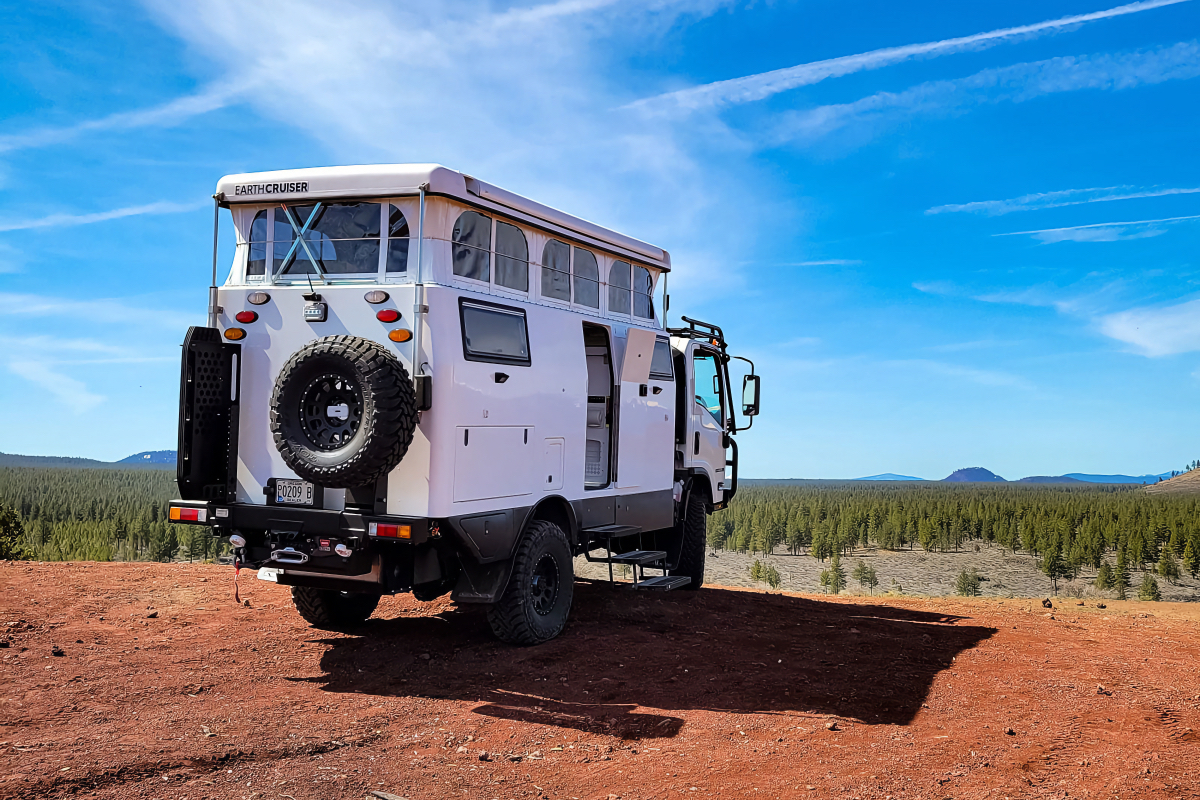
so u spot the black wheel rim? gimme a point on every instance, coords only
(331, 411)
(543, 587)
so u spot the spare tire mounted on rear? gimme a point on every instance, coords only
(343, 412)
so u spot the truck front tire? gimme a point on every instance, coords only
(695, 539)
(333, 611)
(537, 601)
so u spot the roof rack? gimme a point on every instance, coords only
(701, 330)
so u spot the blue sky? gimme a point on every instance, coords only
(949, 234)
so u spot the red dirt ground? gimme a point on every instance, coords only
(721, 693)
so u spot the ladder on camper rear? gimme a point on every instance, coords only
(609, 536)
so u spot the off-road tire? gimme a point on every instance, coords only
(515, 617)
(387, 417)
(695, 539)
(333, 611)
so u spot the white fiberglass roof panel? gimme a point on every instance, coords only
(383, 180)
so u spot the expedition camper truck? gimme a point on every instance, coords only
(412, 380)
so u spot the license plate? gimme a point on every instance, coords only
(293, 492)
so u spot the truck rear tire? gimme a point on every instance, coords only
(343, 412)
(333, 611)
(695, 540)
(537, 601)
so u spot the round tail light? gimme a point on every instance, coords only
(245, 317)
(233, 334)
(376, 297)
(400, 335)
(388, 315)
(258, 298)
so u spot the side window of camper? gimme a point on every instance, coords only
(493, 333)
(472, 239)
(556, 270)
(257, 265)
(512, 258)
(618, 287)
(643, 288)
(587, 279)
(397, 246)
(661, 363)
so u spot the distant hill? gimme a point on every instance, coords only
(1187, 483)
(1086, 478)
(973, 475)
(165, 457)
(148, 460)
(889, 476)
(1049, 479)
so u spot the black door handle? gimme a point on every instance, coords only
(501, 377)
(657, 390)
(697, 446)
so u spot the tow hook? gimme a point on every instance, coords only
(289, 555)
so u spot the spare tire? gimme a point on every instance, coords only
(343, 412)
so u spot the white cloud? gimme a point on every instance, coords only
(1016, 83)
(98, 310)
(983, 377)
(1057, 199)
(763, 85)
(829, 262)
(1103, 231)
(69, 391)
(167, 114)
(523, 98)
(1156, 331)
(64, 220)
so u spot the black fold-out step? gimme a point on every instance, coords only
(663, 583)
(603, 532)
(639, 557)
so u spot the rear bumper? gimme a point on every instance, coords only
(228, 518)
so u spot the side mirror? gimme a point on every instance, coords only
(750, 394)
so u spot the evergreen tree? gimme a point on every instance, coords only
(772, 577)
(866, 576)
(1191, 557)
(1149, 588)
(12, 534)
(1105, 579)
(1053, 565)
(1168, 567)
(834, 578)
(967, 584)
(1121, 574)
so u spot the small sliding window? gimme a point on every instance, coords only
(494, 333)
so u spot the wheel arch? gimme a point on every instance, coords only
(556, 509)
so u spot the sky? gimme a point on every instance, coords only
(948, 234)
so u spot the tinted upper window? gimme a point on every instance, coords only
(494, 333)
(661, 364)
(472, 239)
(618, 287)
(556, 270)
(587, 279)
(257, 265)
(643, 288)
(512, 257)
(397, 252)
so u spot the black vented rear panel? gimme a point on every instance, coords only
(208, 416)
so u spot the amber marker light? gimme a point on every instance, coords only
(388, 315)
(246, 317)
(233, 334)
(400, 335)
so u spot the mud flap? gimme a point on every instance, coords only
(209, 392)
(481, 583)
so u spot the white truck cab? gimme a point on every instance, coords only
(412, 380)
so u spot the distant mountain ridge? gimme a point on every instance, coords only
(153, 459)
(889, 476)
(973, 475)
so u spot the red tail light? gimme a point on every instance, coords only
(188, 514)
(245, 317)
(388, 315)
(391, 531)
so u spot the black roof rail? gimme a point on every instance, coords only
(701, 330)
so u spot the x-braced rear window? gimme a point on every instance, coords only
(328, 239)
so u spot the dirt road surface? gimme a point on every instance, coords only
(165, 689)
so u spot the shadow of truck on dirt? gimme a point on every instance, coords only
(716, 649)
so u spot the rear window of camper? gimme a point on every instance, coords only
(494, 333)
(364, 240)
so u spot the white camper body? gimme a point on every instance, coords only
(545, 391)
